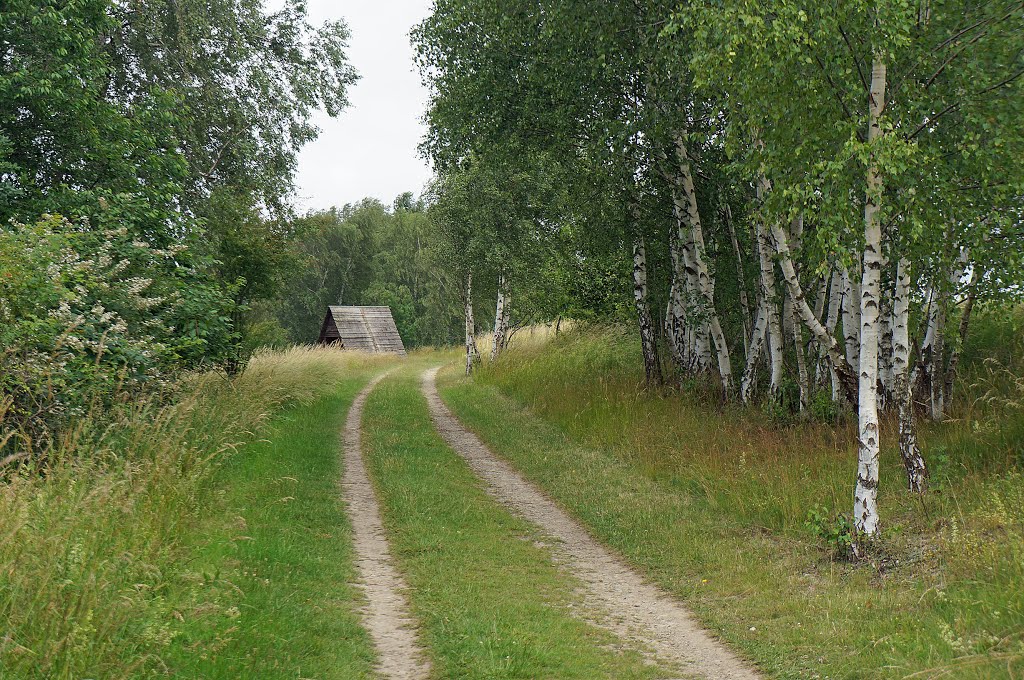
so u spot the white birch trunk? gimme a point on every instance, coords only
(801, 359)
(769, 297)
(796, 331)
(675, 316)
(910, 451)
(885, 337)
(652, 368)
(705, 283)
(865, 504)
(844, 371)
(835, 302)
(472, 355)
(756, 347)
(499, 319)
(851, 318)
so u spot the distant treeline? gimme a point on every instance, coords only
(147, 156)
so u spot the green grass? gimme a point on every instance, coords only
(157, 540)
(491, 603)
(710, 502)
(279, 568)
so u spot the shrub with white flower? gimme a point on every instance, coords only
(88, 316)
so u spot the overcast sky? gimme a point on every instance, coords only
(370, 149)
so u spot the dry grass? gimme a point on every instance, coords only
(93, 572)
(712, 500)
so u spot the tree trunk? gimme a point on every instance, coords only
(472, 355)
(675, 314)
(865, 505)
(796, 331)
(500, 318)
(756, 346)
(741, 282)
(954, 359)
(885, 338)
(845, 373)
(910, 451)
(801, 360)
(687, 207)
(769, 296)
(652, 367)
(835, 303)
(851, 318)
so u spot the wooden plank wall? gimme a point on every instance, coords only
(370, 329)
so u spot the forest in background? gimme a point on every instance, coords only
(803, 205)
(812, 199)
(786, 238)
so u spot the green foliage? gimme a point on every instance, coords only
(823, 408)
(368, 254)
(130, 556)
(834, 530)
(147, 151)
(90, 315)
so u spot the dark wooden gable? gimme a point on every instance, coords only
(329, 331)
(367, 329)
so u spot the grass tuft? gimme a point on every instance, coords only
(713, 502)
(98, 548)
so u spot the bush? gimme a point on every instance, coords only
(90, 314)
(834, 530)
(97, 570)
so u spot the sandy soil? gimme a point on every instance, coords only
(618, 597)
(386, 614)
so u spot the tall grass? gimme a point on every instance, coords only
(744, 460)
(700, 492)
(94, 570)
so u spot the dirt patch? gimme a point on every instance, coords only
(386, 614)
(624, 602)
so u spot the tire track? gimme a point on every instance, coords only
(626, 604)
(386, 615)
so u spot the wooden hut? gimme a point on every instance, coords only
(368, 329)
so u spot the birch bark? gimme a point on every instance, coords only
(851, 318)
(769, 297)
(652, 368)
(499, 319)
(885, 338)
(865, 504)
(835, 303)
(472, 355)
(756, 345)
(796, 330)
(705, 283)
(844, 371)
(675, 317)
(910, 451)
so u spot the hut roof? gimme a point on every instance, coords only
(369, 329)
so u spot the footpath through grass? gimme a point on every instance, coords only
(491, 603)
(654, 478)
(278, 559)
(201, 538)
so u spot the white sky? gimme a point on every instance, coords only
(370, 149)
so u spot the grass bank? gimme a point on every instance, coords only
(713, 503)
(200, 539)
(491, 603)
